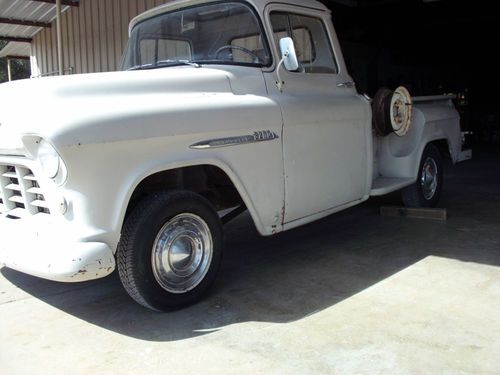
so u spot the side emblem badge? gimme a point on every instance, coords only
(259, 136)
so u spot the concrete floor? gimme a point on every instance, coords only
(351, 294)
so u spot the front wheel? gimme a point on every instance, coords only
(170, 250)
(426, 191)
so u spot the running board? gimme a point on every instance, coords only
(382, 186)
(464, 155)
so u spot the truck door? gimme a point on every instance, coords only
(326, 123)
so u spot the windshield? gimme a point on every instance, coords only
(221, 33)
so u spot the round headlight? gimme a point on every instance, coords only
(49, 159)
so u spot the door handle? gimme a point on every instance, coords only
(349, 84)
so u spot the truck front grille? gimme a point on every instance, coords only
(20, 193)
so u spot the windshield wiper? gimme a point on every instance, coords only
(164, 64)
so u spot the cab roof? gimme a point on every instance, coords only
(260, 5)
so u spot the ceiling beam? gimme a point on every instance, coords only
(12, 21)
(71, 3)
(13, 57)
(15, 39)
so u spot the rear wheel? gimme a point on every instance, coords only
(426, 191)
(170, 250)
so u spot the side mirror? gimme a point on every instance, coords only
(288, 59)
(289, 56)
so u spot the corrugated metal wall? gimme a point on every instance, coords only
(94, 36)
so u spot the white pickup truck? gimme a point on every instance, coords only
(221, 106)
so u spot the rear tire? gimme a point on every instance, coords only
(426, 191)
(170, 250)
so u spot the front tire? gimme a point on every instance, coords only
(170, 250)
(426, 191)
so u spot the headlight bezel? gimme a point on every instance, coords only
(51, 164)
(49, 159)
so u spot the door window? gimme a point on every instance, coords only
(311, 41)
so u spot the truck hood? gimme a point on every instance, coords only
(50, 106)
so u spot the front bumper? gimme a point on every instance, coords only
(45, 248)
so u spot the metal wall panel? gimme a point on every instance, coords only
(94, 37)
(25, 10)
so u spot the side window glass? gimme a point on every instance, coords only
(310, 38)
(281, 26)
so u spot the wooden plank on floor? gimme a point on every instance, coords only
(415, 213)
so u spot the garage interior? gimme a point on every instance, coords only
(432, 47)
(352, 293)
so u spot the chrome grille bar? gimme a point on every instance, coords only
(20, 193)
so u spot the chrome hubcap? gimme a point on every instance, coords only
(429, 178)
(182, 253)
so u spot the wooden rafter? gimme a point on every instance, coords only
(14, 57)
(15, 39)
(71, 3)
(12, 21)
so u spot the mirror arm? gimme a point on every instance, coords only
(280, 83)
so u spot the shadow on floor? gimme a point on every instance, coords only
(294, 274)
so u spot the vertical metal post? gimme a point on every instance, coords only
(32, 61)
(9, 72)
(60, 61)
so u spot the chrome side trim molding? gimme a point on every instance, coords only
(259, 136)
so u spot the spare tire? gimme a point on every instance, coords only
(392, 112)
(401, 111)
(381, 105)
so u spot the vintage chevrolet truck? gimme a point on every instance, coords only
(220, 107)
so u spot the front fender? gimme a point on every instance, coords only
(102, 178)
(233, 175)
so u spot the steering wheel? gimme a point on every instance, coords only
(242, 49)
